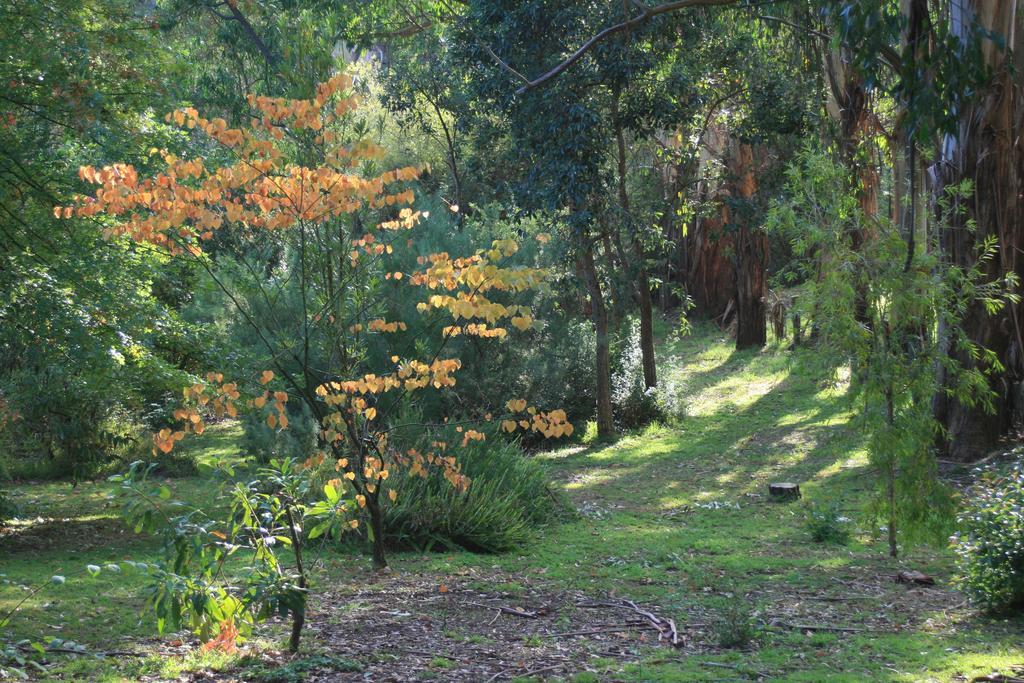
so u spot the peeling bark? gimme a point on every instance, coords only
(988, 149)
(751, 251)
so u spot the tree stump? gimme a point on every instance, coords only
(784, 491)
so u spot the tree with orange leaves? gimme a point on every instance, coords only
(289, 179)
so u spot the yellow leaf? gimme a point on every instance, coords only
(371, 413)
(392, 495)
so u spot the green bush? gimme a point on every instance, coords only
(266, 444)
(508, 498)
(633, 404)
(8, 508)
(736, 626)
(826, 524)
(990, 543)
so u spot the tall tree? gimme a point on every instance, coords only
(987, 148)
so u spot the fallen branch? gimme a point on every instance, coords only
(825, 627)
(540, 671)
(514, 611)
(666, 627)
(607, 629)
(425, 653)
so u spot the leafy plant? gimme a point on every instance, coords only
(634, 404)
(990, 543)
(892, 312)
(510, 498)
(8, 506)
(271, 519)
(827, 524)
(736, 626)
(297, 670)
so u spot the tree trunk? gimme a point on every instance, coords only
(751, 248)
(642, 285)
(989, 151)
(299, 612)
(605, 423)
(708, 271)
(849, 106)
(647, 331)
(380, 560)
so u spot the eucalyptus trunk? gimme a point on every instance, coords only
(987, 149)
(751, 251)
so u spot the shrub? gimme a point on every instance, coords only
(508, 497)
(736, 626)
(635, 405)
(265, 443)
(8, 508)
(826, 524)
(990, 544)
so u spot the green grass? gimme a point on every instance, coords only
(659, 524)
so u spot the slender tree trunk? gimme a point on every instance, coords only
(647, 332)
(890, 474)
(298, 613)
(751, 248)
(377, 526)
(642, 286)
(617, 310)
(605, 422)
(849, 106)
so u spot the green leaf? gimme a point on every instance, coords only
(319, 529)
(92, 569)
(165, 493)
(331, 493)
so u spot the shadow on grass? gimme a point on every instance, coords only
(791, 431)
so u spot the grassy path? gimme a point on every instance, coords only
(676, 519)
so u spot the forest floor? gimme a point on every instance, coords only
(674, 523)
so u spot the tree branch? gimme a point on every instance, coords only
(243, 21)
(645, 14)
